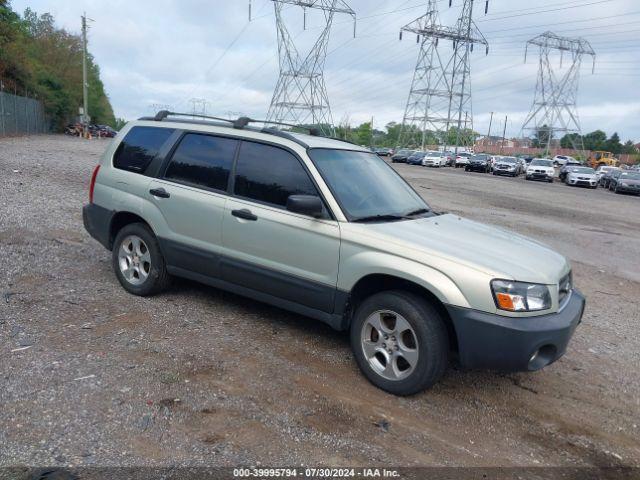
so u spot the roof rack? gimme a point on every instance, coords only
(240, 122)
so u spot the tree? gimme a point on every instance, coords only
(613, 145)
(629, 148)
(595, 140)
(570, 140)
(46, 61)
(364, 134)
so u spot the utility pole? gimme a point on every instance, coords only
(488, 142)
(85, 93)
(371, 131)
(504, 134)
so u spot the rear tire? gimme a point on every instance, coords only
(138, 262)
(413, 355)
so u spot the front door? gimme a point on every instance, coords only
(269, 249)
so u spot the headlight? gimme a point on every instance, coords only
(624, 184)
(520, 297)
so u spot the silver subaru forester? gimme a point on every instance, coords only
(329, 230)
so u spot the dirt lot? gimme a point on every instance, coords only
(197, 376)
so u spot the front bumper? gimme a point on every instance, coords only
(540, 175)
(495, 342)
(583, 183)
(629, 189)
(504, 172)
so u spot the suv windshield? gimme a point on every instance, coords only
(365, 186)
(541, 163)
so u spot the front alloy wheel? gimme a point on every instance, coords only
(389, 344)
(400, 342)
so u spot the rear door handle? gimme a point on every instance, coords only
(245, 214)
(159, 192)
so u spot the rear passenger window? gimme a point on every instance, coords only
(203, 161)
(270, 174)
(139, 147)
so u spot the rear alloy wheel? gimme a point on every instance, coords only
(138, 261)
(400, 342)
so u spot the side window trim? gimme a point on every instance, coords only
(164, 166)
(232, 179)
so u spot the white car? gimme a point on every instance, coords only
(462, 159)
(582, 176)
(561, 160)
(540, 169)
(434, 159)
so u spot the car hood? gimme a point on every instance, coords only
(583, 175)
(448, 238)
(629, 181)
(540, 167)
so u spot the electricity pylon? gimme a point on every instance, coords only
(300, 96)
(441, 86)
(554, 107)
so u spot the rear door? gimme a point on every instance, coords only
(191, 193)
(272, 250)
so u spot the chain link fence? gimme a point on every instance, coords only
(21, 115)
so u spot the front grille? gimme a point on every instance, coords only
(564, 288)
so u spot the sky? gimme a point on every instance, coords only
(168, 52)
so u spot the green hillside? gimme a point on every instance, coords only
(46, 61)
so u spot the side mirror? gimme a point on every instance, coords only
(305, 205)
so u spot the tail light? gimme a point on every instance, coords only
(92, 185)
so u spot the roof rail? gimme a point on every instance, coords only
(163, 114)
(240, 122)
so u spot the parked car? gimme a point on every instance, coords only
(569, 164)
(402, 155)
(507, 166)
(581, 177)
(449, 159)
(382, 151)
(416, 158)
(561, 160)
(462, 159)
(540, 169)
(625, 182)
(434, 159)
(606, 178)
(479, 163)
(328, 230)
(602, 171)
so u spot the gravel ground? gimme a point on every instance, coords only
(92, 376)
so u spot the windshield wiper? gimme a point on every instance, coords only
(379, 218)
(417, 212)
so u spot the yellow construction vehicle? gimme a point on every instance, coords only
(601, 158)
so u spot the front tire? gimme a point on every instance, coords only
(138, 261)
(400, 342)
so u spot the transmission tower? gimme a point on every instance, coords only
(441, 88)
(554, 103)
(300, 96)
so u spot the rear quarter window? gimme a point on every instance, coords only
(139, 147)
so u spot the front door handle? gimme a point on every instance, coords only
(245, 214)
(159, 192)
